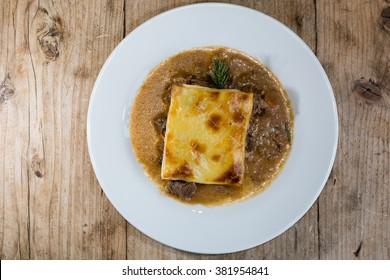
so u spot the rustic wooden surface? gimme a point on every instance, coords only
(51, 204)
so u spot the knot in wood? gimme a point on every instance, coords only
(367, 90)
(385, 19)
(7, 89)
(37, 166)
(49, 34)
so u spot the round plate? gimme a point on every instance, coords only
(240, 225)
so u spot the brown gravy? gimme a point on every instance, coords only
(268, 142)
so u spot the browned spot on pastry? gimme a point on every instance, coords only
(216, 157)
(244, 97)
(214, 95)
(238, 116)
(168, 155)
(197, 147)
(168, 137)
(214, 121)
(232, 176)
(184, 171)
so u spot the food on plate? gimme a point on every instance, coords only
(211, 126)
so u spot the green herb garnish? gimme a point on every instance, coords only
(219, 76)
(288, 133)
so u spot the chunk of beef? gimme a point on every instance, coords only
(160, 123)
(166, 96)
(203, 81)
(250, 144)
(160, 151)
(184, 190)
(260, 107)
(249, 147)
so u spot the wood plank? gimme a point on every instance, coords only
(301, 241)
(59, 50)
(354, 208)
(15, 67)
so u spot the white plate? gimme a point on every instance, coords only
(226, 228)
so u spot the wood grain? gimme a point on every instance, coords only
(52, 206)
(354, 206)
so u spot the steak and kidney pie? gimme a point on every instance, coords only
(211, 126)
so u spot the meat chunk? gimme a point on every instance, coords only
(160, 123)
(250, 143)
(184, 190)
(260, 107)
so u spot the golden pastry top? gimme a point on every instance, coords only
(205, 135)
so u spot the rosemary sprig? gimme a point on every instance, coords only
(219, 76)
(288, 133)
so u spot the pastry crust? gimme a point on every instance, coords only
(205, 135)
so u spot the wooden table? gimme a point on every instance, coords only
(52, 206)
